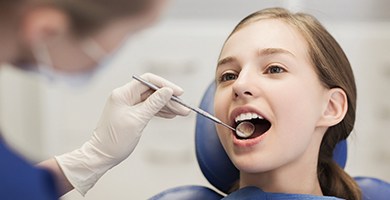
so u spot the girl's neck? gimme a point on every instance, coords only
(297, 177)
(279, 182)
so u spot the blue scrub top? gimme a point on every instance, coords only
(20, 180)
(254, 193)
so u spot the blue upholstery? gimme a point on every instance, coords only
(222, 174)
(212, 158)
(255, 193)
(373, 189)
(191, 192)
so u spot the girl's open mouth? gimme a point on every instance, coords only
(250, 125)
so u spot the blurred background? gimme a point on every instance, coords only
(42, 118)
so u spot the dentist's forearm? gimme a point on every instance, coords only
(63, 184)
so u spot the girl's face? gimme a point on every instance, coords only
(264, 72)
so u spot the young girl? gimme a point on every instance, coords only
(288, 76)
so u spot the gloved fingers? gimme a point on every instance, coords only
(155, 102)
(135, 91)
(174, 108)
(166, 112)
(166, 115)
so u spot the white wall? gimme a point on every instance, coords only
(42, 119)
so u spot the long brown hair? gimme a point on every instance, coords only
(334, 71)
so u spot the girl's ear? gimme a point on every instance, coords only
(42, 23)
(335, 109)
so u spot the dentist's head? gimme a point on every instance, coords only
(69, 36)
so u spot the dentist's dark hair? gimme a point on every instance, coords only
(10, 11)
(87, 16)
(334, 71)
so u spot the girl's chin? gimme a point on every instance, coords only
(250, 166)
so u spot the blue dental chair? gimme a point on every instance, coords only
(222, 174)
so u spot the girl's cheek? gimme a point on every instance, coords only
(220, 104)
(218, 108)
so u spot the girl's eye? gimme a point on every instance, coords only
(228, 77)
(275, 69)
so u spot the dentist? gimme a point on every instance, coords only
(69, 38)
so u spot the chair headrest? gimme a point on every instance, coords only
(373, 188)
(212, 158)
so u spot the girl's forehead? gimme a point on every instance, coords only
(264, 34)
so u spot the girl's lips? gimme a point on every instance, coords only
(248, 142)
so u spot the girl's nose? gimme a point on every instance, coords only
(245, 86)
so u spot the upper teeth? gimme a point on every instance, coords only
(247, 116)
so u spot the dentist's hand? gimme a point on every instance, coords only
(128, 110)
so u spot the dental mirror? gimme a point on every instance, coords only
(245, 129)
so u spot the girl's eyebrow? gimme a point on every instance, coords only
(226, 60)
(261, 52)
(271, 51)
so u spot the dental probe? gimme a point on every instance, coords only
(178, 100)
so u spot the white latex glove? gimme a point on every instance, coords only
(127, 112)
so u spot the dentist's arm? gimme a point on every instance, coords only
(63, 184)
(127, 111)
